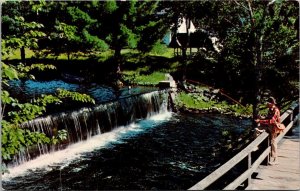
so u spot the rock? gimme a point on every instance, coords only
(215, 91)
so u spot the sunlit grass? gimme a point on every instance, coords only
(16, 55)
(168, 53)
(136, 78)
(187, 100)
(141, 75)
(198, 102)
(102, 56)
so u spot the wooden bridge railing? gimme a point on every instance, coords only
(289, 118)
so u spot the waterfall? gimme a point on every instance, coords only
(87, 122)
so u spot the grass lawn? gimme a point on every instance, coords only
(16, 55)
(135, 78)
(193, 101)
(138, 68)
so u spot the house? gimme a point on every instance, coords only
(191, 39)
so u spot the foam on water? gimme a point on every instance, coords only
(63, 157)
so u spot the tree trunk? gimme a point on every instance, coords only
(184, 61)
(257, 48)
(117, 59)
(258, 74)
(184, 49)
(22, 51)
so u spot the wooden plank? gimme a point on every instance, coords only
(249, 167)
(285, 175)
(248, 172)
(286, 114)
(289, 111)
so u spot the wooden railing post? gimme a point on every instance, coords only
(291, 118)
(266, 144)
(249, 167)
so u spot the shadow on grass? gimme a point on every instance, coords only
(147, 64)
(95, 69)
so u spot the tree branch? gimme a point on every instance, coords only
(241, 5)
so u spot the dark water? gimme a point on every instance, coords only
(101, 93)
(173, 152)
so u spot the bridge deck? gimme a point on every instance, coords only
(285, 175)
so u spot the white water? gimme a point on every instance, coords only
(63, 157)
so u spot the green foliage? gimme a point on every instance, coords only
(5, 98)
(136, 78)
(110, 6)
(258, 50)
(30, 33)
(128, 36)
(15, 139)
(24, 71)
(61, 93)
(24, 112)
(61, 136)
(66, 32)
(8, 72)
(159, 49)
(189, 101)
(97, 43)
(79, 16)
(194, 101)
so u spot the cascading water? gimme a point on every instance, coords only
(88, 122)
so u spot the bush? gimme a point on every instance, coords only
(159, 49)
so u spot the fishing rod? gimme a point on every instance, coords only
(221, 91)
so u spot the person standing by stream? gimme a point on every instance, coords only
(272, 125)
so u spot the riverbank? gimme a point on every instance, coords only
(202, 99)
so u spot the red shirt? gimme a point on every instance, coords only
(272, 118)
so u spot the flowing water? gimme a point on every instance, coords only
(90, 121)
(165, 151)
(129, 143)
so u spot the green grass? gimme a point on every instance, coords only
(16, 55)
(80, 56)
(148, 68)
(196, 102)
(136, 78)
(189, 101)
(168, 53)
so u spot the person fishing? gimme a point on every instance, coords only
(271, 124)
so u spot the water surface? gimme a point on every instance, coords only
(101, 93)
(167, 151)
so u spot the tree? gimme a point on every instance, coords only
(179, 13)
(20, 32)
(269, 45)
(13, 113)
(260, 46)
(71, 29)
(136, 25)
(151, 25)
